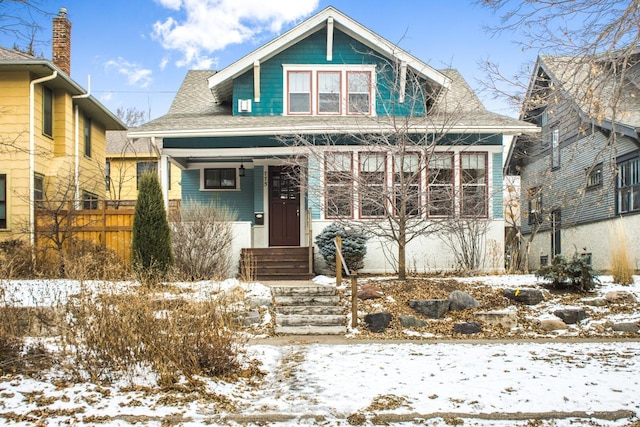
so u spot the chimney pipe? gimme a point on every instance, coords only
(62, 41)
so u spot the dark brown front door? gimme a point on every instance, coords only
(284, 206)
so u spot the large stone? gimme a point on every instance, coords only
(504, 318)
(524, 296)
(617, 297)
(570, 315)
(594, 302)
(467, 328)
(377, 322)
(432, 308)
(370, 292)
(552, 325)
(626, 327)
(459, 300)
(411, 322)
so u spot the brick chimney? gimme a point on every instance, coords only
(62, 41)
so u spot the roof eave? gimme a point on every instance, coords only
(104, 115)
(322, 129)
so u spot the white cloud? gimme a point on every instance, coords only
(212, 25)
(135, 74)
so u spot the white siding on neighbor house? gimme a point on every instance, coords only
(598, 239)
(424, 254)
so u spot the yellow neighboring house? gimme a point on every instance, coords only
(127, 160)
(52, 135)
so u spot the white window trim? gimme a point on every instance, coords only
(343, 69)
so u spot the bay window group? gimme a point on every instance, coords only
(375, 184)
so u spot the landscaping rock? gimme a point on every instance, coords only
(432, 308)
(626, 327)
(570, 315)
(503, 318)
(467, 328)
(412, 322)
(377, 322)
(459, 300)
(552, 325)
(524, 296)
(617, 297)
(594, 302)
(370, 292)
(251, 318)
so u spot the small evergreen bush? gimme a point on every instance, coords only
(354, 245)
(575, 274)
(151, 245)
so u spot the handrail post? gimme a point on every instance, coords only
(354, 300)
(338, 260)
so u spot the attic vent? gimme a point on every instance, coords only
(244, 105)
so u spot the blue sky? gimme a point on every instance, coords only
(138, 52)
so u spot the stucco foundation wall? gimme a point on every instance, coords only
(598, 239)
(241, 239)
(424, 254)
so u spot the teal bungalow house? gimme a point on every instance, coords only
(331, 122)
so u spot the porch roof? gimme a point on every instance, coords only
(203, 125)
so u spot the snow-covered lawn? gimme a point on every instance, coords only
(350, 381)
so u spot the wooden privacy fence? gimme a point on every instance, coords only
(107, 226)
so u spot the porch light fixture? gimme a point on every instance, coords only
(241, 170)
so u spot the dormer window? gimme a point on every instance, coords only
(329, 90)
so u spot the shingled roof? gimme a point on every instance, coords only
(602, 92)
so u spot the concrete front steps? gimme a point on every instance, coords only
(308, 309)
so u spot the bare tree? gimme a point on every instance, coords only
(583, 78)
(403, 186)
(20, 19)
(132, 117)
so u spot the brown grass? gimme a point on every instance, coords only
(112, 333)
(621, 265)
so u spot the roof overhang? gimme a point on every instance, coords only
(221, 83)
(41, 68)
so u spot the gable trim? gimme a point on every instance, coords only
(221, 82)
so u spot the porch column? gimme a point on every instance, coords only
(163, 170)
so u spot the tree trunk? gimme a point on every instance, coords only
(402, 255)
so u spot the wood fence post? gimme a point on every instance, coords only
(354, 300)
(338, 260)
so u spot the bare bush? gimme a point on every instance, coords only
(110, 334)
(201, 239)
(83, 260)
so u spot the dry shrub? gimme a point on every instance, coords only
(621, 266)
(201, 240)
(112, 333)
(15, 324)
(248, 268)
(79, 260)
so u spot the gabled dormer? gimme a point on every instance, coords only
(329, 65)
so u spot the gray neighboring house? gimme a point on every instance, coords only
(581, 177)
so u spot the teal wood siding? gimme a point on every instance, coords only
(313, 50)
(497, 197)
(240, 202)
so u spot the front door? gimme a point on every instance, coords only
(284, 206)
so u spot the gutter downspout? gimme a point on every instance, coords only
(32, 152)
(76, 172)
